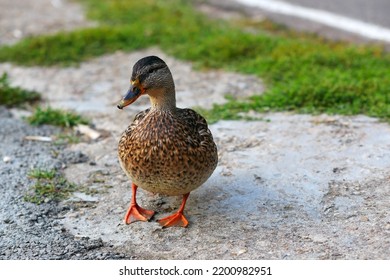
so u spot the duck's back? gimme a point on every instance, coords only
(168, 152)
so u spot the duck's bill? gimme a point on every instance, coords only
(130, 97)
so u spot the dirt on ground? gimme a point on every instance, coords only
(286, 187)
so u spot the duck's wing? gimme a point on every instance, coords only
(197, 127)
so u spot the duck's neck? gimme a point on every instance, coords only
(163, 100)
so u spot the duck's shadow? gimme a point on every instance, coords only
(219, 198)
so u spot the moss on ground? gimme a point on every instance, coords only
(302, 72)
(49, 185)
(55, 117)
(11, 96)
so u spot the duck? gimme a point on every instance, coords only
(165, 149)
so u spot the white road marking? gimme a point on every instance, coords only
(362, 28)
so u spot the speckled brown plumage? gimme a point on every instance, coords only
(168, 152)
(165, 149)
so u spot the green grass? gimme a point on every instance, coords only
(55, 117)
(42, 174)
(49, 185)
(302, 72)
(15, 96)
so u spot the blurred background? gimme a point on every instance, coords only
(359, 18)
(21, 18)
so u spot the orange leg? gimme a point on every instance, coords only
(135, 212)
(178, 218)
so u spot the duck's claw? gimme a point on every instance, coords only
(137, 213)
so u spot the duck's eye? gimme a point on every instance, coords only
(151, 70)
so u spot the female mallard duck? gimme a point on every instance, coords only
(166, 149)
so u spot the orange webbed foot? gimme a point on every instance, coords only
(137, 213)
(177, 219)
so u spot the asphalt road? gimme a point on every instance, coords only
(355, 20)
(372, 11)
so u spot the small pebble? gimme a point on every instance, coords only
(17, 33)
(242, 251)
(6, 159)
(364, 219)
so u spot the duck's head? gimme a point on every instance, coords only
(150, 76)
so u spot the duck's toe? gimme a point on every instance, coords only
(177, 219)
(137, 213)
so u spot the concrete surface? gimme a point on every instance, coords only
(22, 18)
(293, 187)
(287, 187)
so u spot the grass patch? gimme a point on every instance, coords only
(42, 174)
(55, 117)
(302, 72)
(49, 185)
(15, 96)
